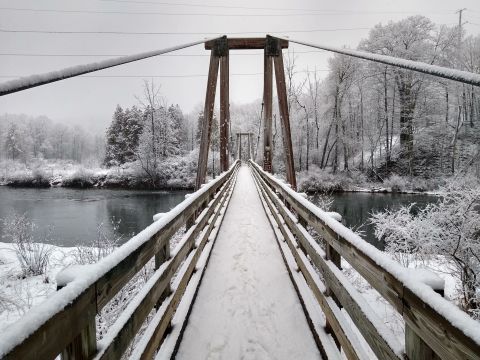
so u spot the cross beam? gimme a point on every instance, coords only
(246, 43)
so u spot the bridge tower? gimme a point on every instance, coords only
(273, 59)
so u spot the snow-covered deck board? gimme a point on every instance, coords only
(247, 306)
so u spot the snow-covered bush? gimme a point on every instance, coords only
(449, 228)
(396, 183)
(32, 255)
(82, 178)
(36, 178)
(320, 180)
(323, 201)
(103, 245)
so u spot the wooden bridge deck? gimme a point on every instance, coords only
(247, 306)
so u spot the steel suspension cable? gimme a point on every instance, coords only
(32, 81)
(438, 71)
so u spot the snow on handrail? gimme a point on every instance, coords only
(439, 71)
(40, 314)
(444, 308)
(31, 81)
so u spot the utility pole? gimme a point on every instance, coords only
(459, 12)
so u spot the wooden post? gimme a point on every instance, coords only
(249, 147)
(207, 118)
(160, 257)
(84, 346)
(267, 109)
(240, 146)
(415, 347)
(283, 107)
(333, 256)
(224, 107)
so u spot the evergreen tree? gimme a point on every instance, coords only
(123, 135)
(13, 145)
(113, 140)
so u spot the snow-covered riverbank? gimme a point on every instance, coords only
(173, 175)
(19, 293)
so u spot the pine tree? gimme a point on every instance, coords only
(12, 143)
(113, 140)
(123, 136)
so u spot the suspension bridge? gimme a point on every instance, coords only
(257, 273)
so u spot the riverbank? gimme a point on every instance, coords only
(324, 181)
(173, 174)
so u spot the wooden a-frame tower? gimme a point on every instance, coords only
(273, 59)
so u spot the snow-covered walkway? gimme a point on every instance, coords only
(247, 307)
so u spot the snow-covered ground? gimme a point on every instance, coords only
(18, 293)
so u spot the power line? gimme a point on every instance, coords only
(209, 5)
(151, 13)
(262, 8)
(175, 33)
(170, 76)
(243, 53)
(310, 13)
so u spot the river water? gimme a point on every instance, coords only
(76, 214)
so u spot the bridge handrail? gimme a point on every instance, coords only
(45, 330)
(447, 330)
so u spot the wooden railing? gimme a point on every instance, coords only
(65, 323)
(434, 327)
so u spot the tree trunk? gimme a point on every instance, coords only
(455, 138)
(385, 97)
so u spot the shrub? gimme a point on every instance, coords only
(396, 183)
(324, 181)
(36, 179)
(102, 246)
(81, 178)
(33, 256)
(449, 228)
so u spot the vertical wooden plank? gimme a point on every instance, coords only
(84, 345)
(267, 112)
(251, 147)
(224, 112)
(160, 257)
(207, 120)
(240, 146)
(284, 119)
(415, 347)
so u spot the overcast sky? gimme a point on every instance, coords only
(91, 100)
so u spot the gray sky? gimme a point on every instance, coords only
(90, 101)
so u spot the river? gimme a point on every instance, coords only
(76, 214)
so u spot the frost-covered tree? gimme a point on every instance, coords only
(448, 229)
